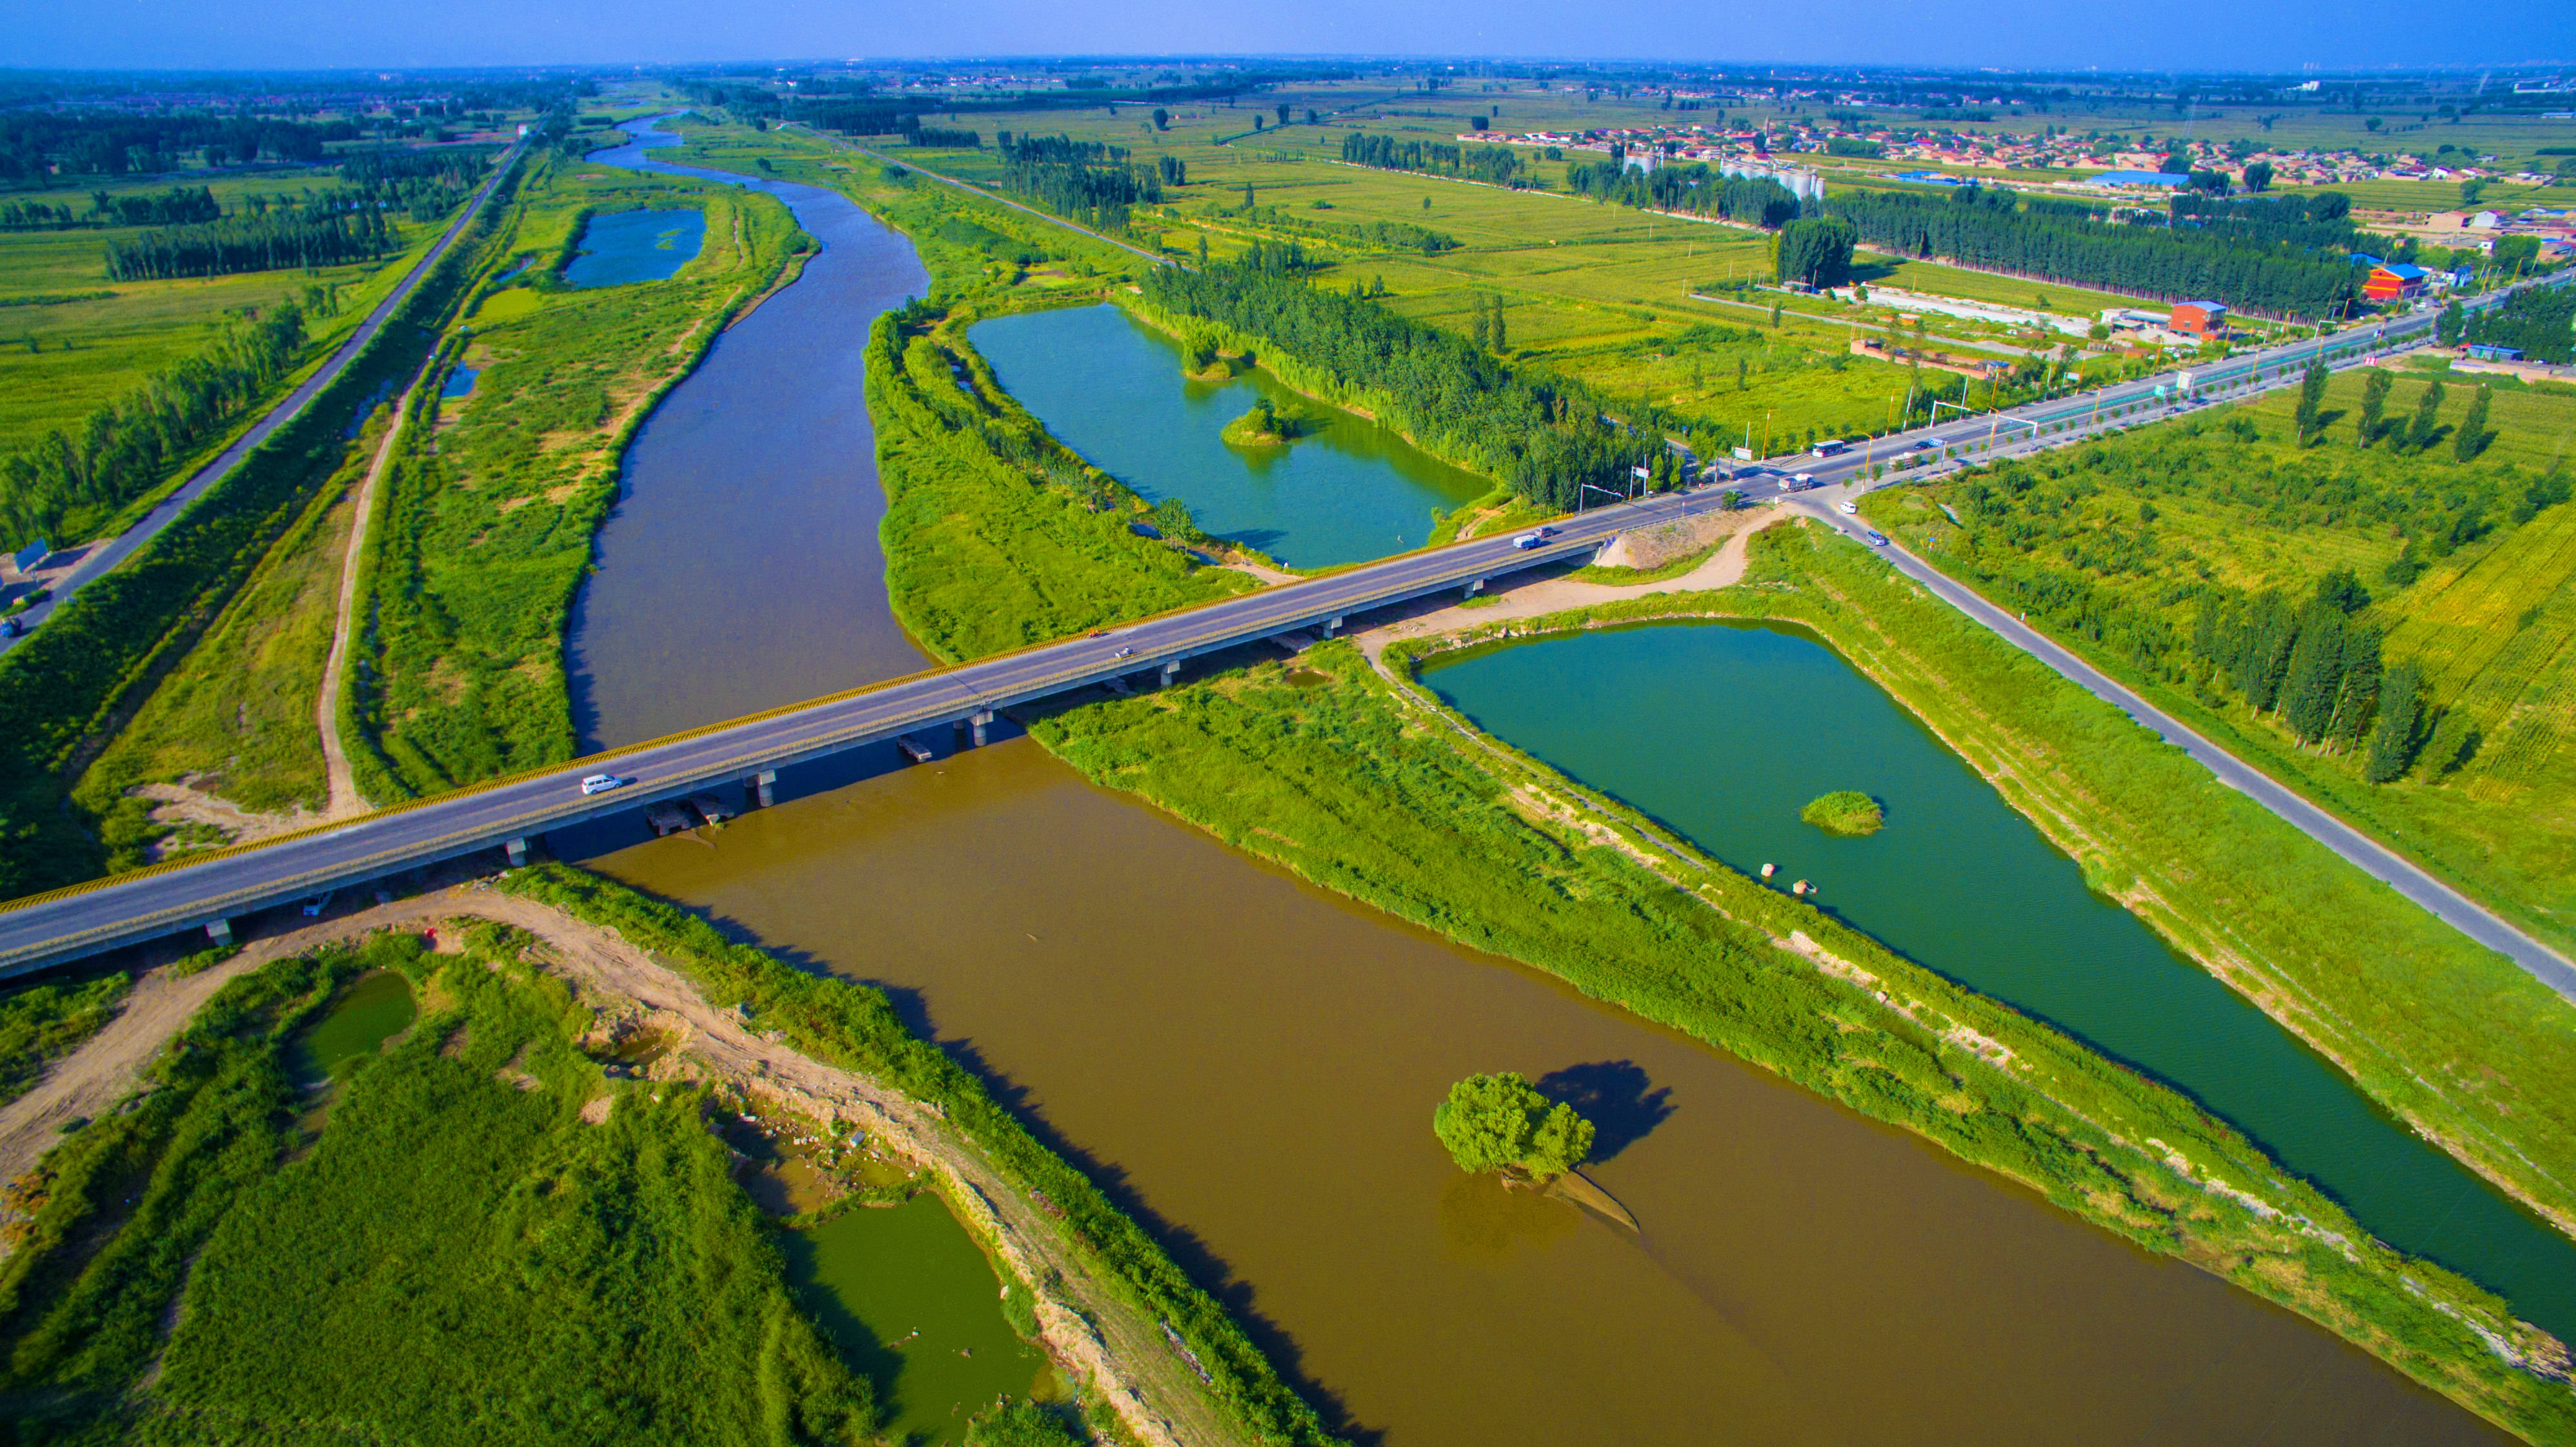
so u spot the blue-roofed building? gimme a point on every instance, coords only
(2393, 283)
(2166, 180)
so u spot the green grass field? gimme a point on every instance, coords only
(60, 360)
(2491, 802)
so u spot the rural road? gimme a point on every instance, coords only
(103, 557)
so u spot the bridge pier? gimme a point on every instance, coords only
(1170, 670)
(1332, 625)
(220, 931)
(764, 789)
(517, 850)
(978, 722)
(1474, 588)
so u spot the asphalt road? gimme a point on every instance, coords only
(104, 556)
(70, 923)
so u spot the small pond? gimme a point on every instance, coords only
(630, 246)
(372, 1010)
(1724, 732)
(913, 1305)
(459, 383)
(1113, 390)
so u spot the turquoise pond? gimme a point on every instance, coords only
(1112, 389)
(1725, 731)
(459, 383)
(632, 246)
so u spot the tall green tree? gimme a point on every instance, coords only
(2392, 736)
(2471, 439)
(2453, 322)
(2315, 674)
(1501, 1123)
(2312, 398)
(2427, 421)
(2374, 405)
(2358, 699)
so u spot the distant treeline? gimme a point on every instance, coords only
(1368, 235)
(1545, 438)
(1695, 188)
(127, 446)
(952, 140)
(849, 107)
(38, 143)
(1495, 165)
(177, 206)
(1978, 227)
(1084, 181)
(275, 242)
(2301, 223)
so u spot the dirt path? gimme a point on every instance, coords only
(1085, 1321)
(1543, 596)
(345, 800)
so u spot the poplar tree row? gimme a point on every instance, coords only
(127, 446)
(1978, 228)
(1695, 189)
(1545, 437)
(254, 243)
(1496, 165)
(1085, 181)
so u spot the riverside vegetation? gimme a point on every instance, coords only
(1501, 1123)
(576, 1236)
(2378, 615)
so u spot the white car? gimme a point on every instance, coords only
(1124, 653)
(601, 783)
(1848, 506)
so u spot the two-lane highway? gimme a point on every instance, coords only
(165, 899)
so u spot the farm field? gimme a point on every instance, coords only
(61, 359)
(2125, 546)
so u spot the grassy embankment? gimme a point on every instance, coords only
(202, 1264)
(571, 1240)
(234, 721)
(68, 691)
(40, 1024)
(2125, 539)
(1354, 787)
(486, 525)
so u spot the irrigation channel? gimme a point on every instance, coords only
(1249, 1063)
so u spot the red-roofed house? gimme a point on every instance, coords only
(2394, 282)
(2200, 318)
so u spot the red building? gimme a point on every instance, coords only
(2200, 318)
(2395, 282)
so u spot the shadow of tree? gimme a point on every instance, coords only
(1622, 1102)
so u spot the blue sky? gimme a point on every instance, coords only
(2173, 35)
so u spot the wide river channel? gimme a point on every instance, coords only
(1249, 1063)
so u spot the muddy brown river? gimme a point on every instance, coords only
(1251, 1063)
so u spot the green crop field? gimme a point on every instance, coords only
(2156, 521)
(61, 359)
